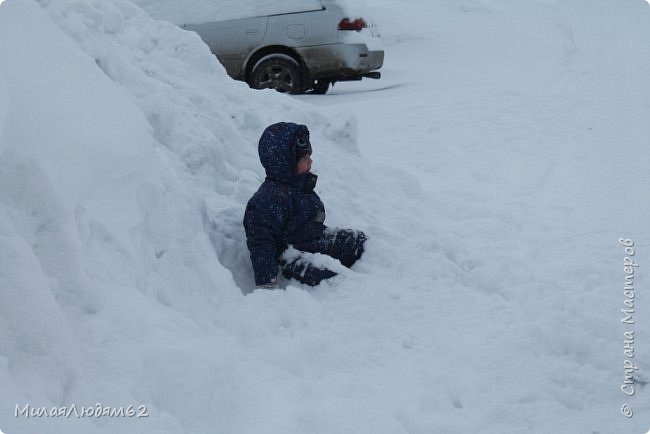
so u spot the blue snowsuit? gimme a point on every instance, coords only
(285, 211)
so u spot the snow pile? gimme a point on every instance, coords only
(488, 175)
(124, 172)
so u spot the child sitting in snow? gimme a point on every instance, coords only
(285, 211)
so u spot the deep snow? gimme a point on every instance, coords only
(494, 166)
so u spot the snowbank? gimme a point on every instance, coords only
(124, 172)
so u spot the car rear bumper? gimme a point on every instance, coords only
(339, 62)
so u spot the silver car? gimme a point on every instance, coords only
(299, 50)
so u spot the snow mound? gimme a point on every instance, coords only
(124, 172)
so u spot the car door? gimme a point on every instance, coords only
(231, 41)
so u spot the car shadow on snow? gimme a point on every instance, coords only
(381, 89)
(334, 91)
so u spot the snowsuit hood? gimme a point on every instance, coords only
(277, 151)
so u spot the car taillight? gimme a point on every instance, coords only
(357, 24)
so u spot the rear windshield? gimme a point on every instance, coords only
(204, 11)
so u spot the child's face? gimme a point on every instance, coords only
(304, 164)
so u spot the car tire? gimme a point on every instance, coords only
(277, 71)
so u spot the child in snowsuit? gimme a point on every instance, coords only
(285, 211)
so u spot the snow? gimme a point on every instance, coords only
(494, 167)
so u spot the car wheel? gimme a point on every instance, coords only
(321, 87)
(279, 72)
